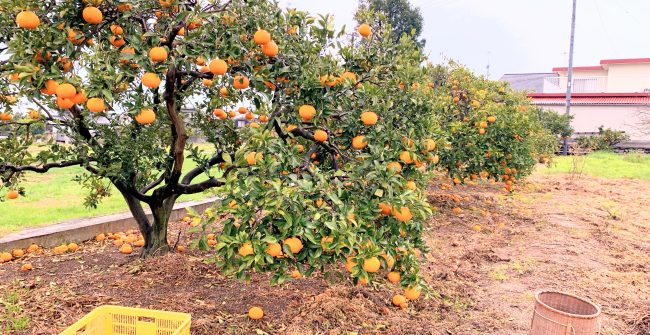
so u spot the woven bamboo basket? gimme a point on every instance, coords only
(558, 313)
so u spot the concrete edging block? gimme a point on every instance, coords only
(79, 230)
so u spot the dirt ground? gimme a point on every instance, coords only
(586, 236)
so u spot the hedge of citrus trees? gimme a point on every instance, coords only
(344, 130)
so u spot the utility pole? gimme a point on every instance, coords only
(569, 84)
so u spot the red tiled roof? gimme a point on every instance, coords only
(604, 62)
(559, 99)
(578, 68)
(625, 61)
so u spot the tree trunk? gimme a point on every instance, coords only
(155, 239)
(154, 233)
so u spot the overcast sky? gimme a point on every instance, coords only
(518, 35)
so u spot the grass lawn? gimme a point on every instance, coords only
(604, 164)
(55, 197)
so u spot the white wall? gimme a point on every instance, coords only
(627, 78)
(589, 118)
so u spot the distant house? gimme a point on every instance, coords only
(611, 94)
(529, 82)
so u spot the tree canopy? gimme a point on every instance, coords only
(403, 17)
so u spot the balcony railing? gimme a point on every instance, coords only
(580, 84)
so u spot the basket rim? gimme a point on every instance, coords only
(578, 316)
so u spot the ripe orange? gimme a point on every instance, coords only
(116, 29)
(385, 208)
(118, 242)
(65, 91)
(18, 253)
(398, 300)
(92, 15)
(79, 98)
(491, 118)
(62, 249)
(255, 313)
(429, 144)
(394, 166)
(146, 116)
(371, 264)
(456, 210)
(180, 248)
(12, 194)
(359, 142)
(347, 75)
(412, 293)
(406, 157)
(64, 103)
(350, 263)
(270, 49)
(139, 243)
(26, 267)
(295, 274)
(73, 247)
(116, 41)
(369, 118)
(262, 37)
(27, 20)
(411, 185)
(220, 113)
(240, 82)
(124, 7)
(100, 237)
(394, 277)
(364, 30)
(150, 80)
(5, 257)
(158, 54)
(320, 135)
(294, 243)
(218, 67)
(50, 87)
(126, 249)
(274, 249)
(95, 105)
(325, 241)
(246, 249)
(251, 158)
(307, 112)
(32, 248)
(403, 214)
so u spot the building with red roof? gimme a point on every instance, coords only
(614, 94)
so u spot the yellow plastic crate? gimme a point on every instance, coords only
(116, 320)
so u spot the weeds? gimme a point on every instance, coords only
(11, 312)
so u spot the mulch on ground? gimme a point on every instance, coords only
(587, 236)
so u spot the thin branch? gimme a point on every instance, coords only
(153, 184)
(40, 169)
(200, 187)
(216, 159)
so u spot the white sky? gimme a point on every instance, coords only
(518, 35)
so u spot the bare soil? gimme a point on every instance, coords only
(586, 236)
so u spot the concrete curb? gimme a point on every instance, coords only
(79, 230)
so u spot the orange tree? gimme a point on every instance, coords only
(489, 131)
